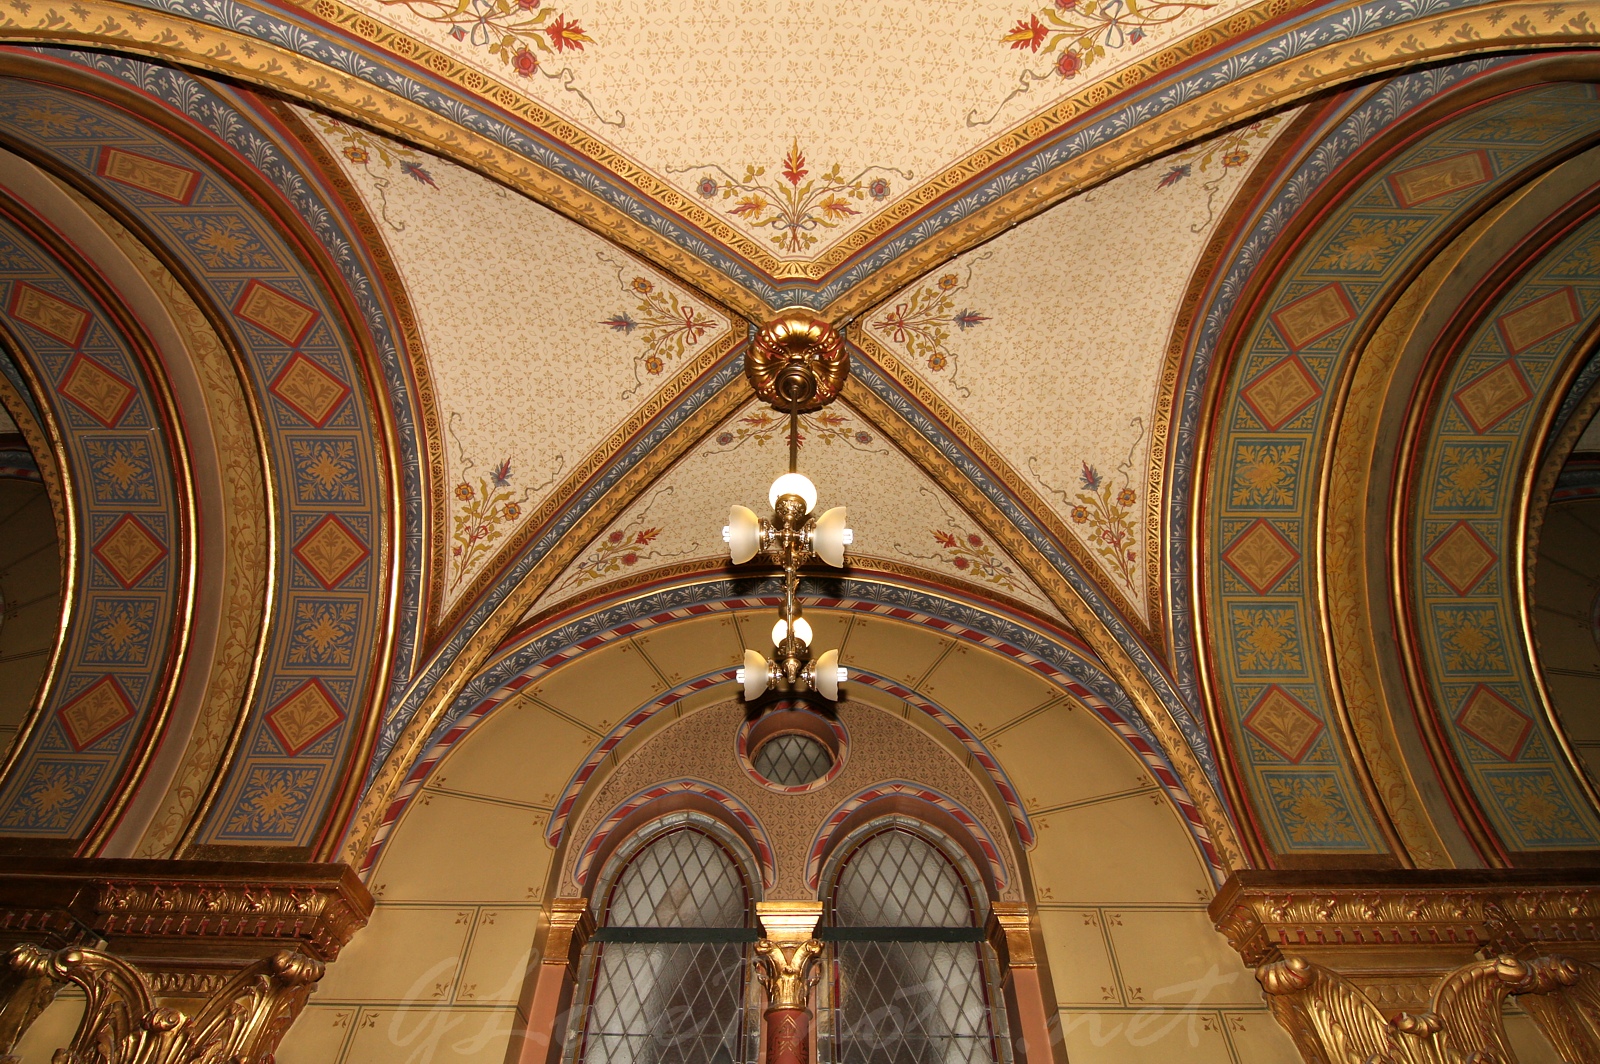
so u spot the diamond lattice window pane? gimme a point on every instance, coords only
(671, 1003)
(898, 880)
(681, 880)
(793, 760)
(908, 1002)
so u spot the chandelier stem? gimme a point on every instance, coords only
(794, 439)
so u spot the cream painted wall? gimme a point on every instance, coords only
(1139, 974)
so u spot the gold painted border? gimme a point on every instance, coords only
(1497, 27)
(1118, 665)
(481, 644)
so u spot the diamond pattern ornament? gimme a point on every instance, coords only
(1282, 393)
(308, 714)
(98, 391)
(279, 314)
(1284, 723)
(680, 880)
(1261, 556)
(1493, 396)
(175, 183)
(1461, 557)
(130, 551)
(54, 317)
(95, 713)
(331, 551)
(792, 760)
(896, 879)
(1313, 316)
(309, 390)
(1494, 722)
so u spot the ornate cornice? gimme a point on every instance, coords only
(163, 909)
(1267, 915)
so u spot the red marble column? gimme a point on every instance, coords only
(788, 1036)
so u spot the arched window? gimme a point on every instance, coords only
(913, 980)
(665, 977)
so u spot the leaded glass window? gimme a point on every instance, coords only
(793, 760)
(913, 980)
(666, 975)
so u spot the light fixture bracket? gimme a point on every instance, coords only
(798, 361)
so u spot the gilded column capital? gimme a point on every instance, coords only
(785, 958)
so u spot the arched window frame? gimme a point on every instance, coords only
(603, 895)
(829, 1015)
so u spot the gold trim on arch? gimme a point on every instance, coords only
(185, 546)
(1088, 625)
(480, 645)
(1494, 27)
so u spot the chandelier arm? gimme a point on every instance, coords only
(794, 439)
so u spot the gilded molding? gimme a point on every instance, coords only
(165, 910)
(571, 925)
(1010, 931)
(123, 1023)
(1486, 28)
(477, 648)
(1267, 916)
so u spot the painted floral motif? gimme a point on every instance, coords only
(625, 547)
(792, 206)
(1106, 515)
(925, 323)
(518, 32)
(960, 548)
(764, 426)
(485, 511)
(361, 148)
(1227, 153)
(1080, 32)
(670, 326)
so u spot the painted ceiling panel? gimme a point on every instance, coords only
(1077, 307)
(878, 97)
(901, 518)
(541, 337)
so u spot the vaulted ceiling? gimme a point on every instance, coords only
(463, 293)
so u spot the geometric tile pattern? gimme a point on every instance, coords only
(1474, 659)
(331, 551)
(1461, 557)
(298, 356)
(1272, 415)
(1283, 722)
(114, 665)
(304, 717)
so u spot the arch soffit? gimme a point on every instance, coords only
(1055, 656)
(1402, 111)
(1080, 144)
(323, 281)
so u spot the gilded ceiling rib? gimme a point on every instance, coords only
(1152, 708)
(1496, 27)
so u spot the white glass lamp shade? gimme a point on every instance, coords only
(828, 674)
(754, 675)
(793, 484)
(743, 534)
(802, 629)
(830, 537)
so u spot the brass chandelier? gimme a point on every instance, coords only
(798, 364)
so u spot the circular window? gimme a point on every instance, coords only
(793, 760)
(792, 750)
